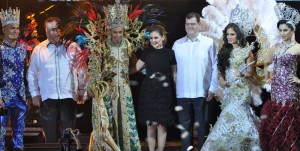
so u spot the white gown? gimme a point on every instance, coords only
(236, 128)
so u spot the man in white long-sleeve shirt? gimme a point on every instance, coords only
(53, 83)
(196, 79)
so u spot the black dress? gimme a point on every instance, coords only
(157, 91)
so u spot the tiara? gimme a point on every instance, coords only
(116, 15)
(242, 18)
(285, 12)
(10, 16)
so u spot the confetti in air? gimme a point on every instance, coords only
(165, 84)
(162, 78)
(190, 148)
(178, 108)
(147, 122)
(152, 76)
(196, 124)
(79, 115)
(184, 134)
(263, 116)
(180, 127)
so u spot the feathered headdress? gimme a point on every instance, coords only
(116, 15)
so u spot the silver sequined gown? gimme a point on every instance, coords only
(236, 127)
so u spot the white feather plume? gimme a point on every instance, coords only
(216, 17)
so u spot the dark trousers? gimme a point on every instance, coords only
(55, 114)
(185, 119)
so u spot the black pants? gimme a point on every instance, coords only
(55, 114)
(185, 119)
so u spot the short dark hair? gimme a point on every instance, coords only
(193, 14)
(286, 22)
(51, 19)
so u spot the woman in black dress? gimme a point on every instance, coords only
(156, 108)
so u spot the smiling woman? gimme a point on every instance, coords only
(156, 108)
(236, 127)
(280, 129)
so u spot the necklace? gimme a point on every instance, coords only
(284, 47)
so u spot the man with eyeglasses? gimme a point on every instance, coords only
(55, 85)
(196, 79)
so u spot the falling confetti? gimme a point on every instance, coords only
(180, 127)
(34, 121)
(162, 78)
(147, 122)
(263, 116)
(190, 148)
(165, 84)
(79, 115)
(152, 76)
(184, 134)
(196, 124)
(178, 108)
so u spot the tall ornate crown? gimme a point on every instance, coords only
(243, 19)
(285, 12)
(117, 15)
(10, 16)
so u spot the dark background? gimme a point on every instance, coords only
(175, 10)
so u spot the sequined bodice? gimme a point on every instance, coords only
(13, 63)
(238, 92)
(235, 129)
(282, 90)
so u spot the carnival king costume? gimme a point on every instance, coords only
(280, 129)
(113, 115)
(12, 88)
(236, 127)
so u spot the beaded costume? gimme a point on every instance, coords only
(13, 59)
(236, 127)
(12, 86)
(280, 129)
(113, 114)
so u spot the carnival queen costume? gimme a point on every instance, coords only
(237, 126)
(280, 128)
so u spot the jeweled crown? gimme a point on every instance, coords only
(116, 15)
(243, 19)
(10, 16)
(285, 12)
